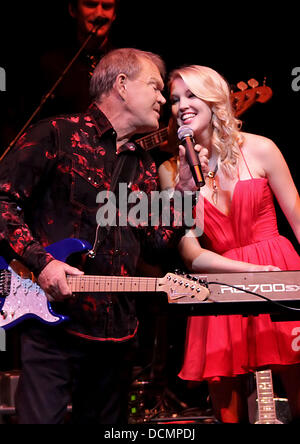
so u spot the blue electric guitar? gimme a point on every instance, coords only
(22, 298)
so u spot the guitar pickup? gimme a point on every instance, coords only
(5, 281)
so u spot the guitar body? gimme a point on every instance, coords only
(25, 299)
(3, 265)
(63, 249)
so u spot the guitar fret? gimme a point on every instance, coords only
(265, 389)
(111, 284)
(266, 403)
(150, 141)
(154, 139)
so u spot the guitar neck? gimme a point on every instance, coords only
(265, 397)
(111, 284)
(154, 139)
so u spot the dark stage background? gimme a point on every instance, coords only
(240, 42)
(255, 42)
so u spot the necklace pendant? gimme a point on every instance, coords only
(211, 175)
(215, 196)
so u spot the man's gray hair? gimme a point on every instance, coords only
(123, 60)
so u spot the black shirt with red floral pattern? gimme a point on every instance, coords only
(49, 184)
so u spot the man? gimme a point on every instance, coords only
(48, 188)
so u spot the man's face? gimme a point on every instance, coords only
(88, 10)
(144, 98)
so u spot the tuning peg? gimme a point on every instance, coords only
(253, 83)
(242, 86)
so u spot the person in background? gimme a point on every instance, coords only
(72, 94)
(49, 183)
(45, 66)
(240, 234)
(84, 12)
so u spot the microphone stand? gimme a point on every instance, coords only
(98, 22)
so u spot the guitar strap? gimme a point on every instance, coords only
(126, 166)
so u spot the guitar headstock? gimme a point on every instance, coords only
(182, 288)
(248, 95)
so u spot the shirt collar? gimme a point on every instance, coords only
(104, 126)
(100, 119)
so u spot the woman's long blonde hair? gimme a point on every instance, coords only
(211, 87)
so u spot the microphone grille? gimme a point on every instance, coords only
(185, 131)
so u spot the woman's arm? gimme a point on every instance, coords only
(198, 259)
(280, 180)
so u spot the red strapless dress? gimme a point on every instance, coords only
(219, 346)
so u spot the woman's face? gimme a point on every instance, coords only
(189, 110)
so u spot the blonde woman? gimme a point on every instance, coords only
(240, 235)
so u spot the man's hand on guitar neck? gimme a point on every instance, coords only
(53, 281)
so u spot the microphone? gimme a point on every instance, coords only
(98, 22)
(186, 136)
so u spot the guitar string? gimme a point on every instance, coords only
(149, 284)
